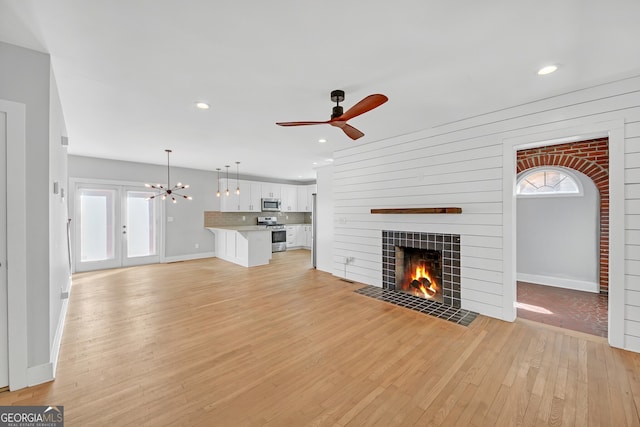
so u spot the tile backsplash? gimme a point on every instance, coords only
(214, 218)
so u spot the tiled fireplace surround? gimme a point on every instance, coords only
(447, 244)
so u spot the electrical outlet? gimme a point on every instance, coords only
(169, 219)
(244, 218)
(197, 245)
(286, 217)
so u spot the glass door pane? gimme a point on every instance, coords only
(98, 242)
(140, 227)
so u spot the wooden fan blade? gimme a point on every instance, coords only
(351, 132)
(301, 123)
(367, 104)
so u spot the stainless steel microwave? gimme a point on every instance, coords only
(270, 205)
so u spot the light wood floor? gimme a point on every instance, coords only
(208, 343)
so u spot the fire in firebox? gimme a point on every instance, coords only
(422, 284)
(419, 272)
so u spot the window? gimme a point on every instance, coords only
(548, 181)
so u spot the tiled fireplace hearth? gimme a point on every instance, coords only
(394, 243)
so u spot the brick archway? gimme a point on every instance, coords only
(592, 159)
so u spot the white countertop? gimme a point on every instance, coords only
(241, 228)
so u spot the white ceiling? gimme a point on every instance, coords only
(129, 72)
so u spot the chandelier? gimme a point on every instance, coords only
(169, 191)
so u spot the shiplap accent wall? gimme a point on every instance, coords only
(461, 164)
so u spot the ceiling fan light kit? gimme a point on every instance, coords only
(339, 118)
(169, 191)
(337, 96)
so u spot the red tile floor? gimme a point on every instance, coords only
(576, 310)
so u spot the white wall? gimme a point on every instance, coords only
(558, 239)
(187, 228)
(461, 164)
(324, 219)
(59, 274)
(25, 77)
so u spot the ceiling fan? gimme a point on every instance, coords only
(339, 119)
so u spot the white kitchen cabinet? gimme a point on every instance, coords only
(294, 198)
(271, 190)
(244, 200)
(230, 203)
(250, 194)
(246, 246)
(292, 231)
(305, 197)
(247, 201)
(302, 198)
(230, 243)
(289, 198)
(311, 190)
(307, 236)
(300, 236)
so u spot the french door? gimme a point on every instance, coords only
(116, 226)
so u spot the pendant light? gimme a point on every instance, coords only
(237, 182)
(227, 191)
(168, 191)
(218, 193)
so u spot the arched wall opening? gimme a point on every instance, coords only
(591, 158)
(558, 229)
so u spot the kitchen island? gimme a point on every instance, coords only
(246, 245)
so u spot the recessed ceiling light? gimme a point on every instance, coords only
(329, 160)
(322, 140)
(202, 105)
(315, 163)
(299, 176)
(547, 70)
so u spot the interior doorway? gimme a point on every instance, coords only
(116, 226)
(562, 235)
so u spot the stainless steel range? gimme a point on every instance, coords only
(278, 232)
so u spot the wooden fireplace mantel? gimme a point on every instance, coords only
(417, 211)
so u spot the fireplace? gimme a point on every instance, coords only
(430, 260)
(437, 254)
(419, 272)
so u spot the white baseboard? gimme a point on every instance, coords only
(559, 282)
(293, 248)
(57, 339)
(189, 257)
(240, 261)
(39, 374)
